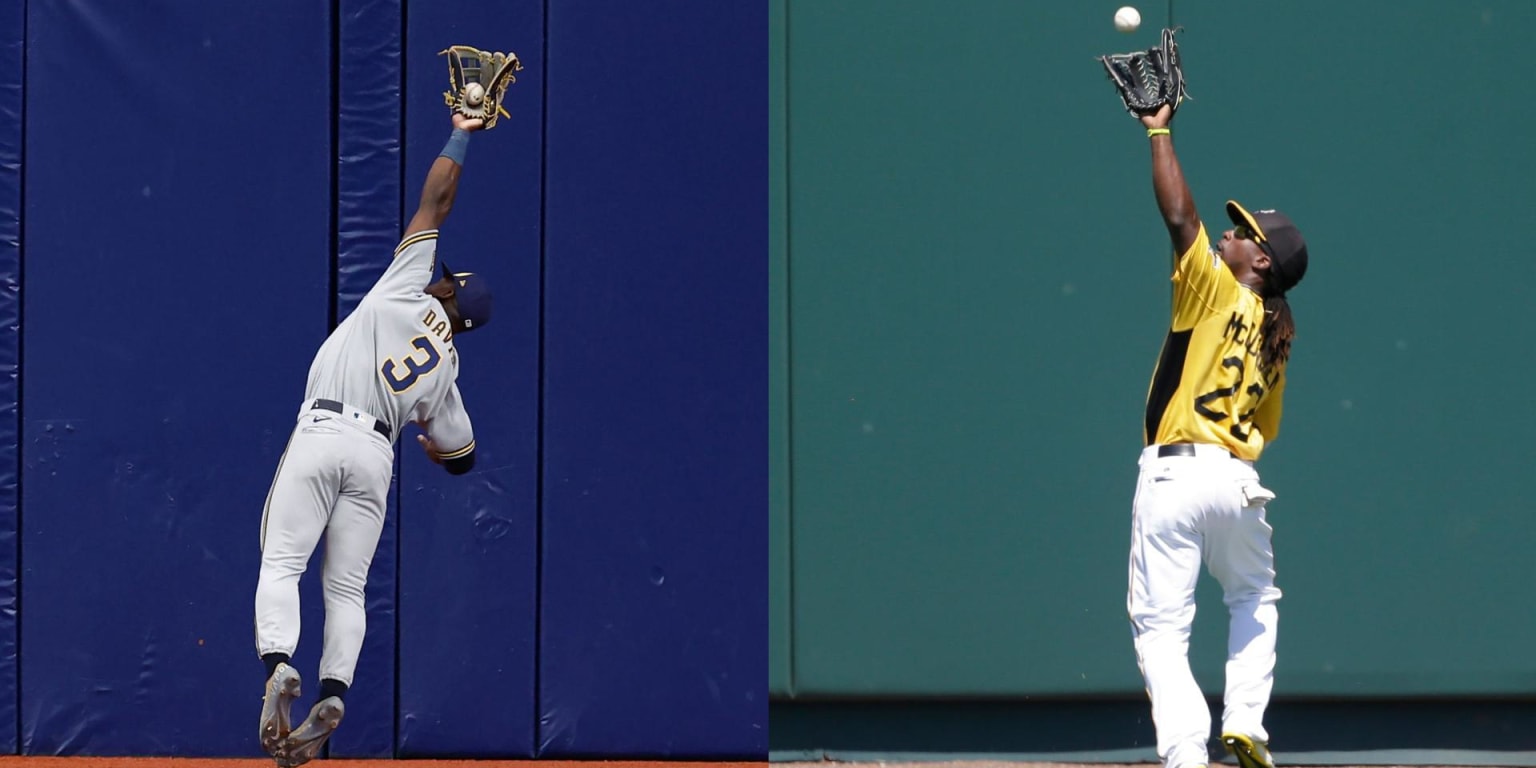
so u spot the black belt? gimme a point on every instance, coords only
(1180, 449)
(333, 406)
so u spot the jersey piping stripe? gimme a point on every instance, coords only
(430, 234)
(465, 451)
(1170, 369)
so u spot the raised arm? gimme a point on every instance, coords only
(1173, 197)
(443, 178)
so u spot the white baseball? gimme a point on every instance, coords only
(1127, 19)
(473, 93)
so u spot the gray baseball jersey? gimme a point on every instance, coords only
(393, 357)
(393, 361)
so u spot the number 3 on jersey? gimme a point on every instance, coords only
(414, 369)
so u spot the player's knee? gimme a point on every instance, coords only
(1157, 644)
(346, 586)
(276, 566)
(1156, 627)
(1252, 595)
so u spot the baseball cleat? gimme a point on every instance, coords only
(304, 744)
(1250, 753)
(282, 689)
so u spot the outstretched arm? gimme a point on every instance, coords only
(1173, 197)
(443, 178)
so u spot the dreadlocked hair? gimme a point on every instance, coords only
(1278, 327)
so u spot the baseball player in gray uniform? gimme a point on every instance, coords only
(392, 361)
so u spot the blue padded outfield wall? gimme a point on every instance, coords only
(656, 374)
(468, 609)
(176, 281)
(177, 240)
(368, 203)
(11, 58)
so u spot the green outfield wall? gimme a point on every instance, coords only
(970, 287)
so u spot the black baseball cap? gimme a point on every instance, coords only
(1278, 237)
(473, 296)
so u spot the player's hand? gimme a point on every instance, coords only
(429, 446)
(467, 124)
(1158, 119)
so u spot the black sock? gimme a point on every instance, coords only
(329, 688)
(272, 660)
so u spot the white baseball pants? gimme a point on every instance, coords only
(1206, 507)
(332, 479)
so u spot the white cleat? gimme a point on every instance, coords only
(305, 742)
(282, 689)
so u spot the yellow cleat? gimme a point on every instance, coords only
(1250, 753)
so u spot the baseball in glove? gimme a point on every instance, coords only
(478, 82)
(1146, 80)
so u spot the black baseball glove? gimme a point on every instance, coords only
(1146, 80)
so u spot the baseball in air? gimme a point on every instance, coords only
(1127, 19)
(474, 93)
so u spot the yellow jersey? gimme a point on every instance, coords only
(1209, 386)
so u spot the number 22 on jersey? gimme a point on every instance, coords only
(414, 368)
(1254, 394)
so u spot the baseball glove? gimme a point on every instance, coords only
(1146, 80)
(478, 82)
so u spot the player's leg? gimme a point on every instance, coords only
(351, 538)
(1164, 565)
(1241, 558)
(297, 507)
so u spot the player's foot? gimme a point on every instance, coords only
(1250, 752)
(307, 739)
(282, 689)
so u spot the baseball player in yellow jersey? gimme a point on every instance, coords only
(1213, 404)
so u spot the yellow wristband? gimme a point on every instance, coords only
(1158, 132)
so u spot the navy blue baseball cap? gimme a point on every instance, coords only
(472, 295)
